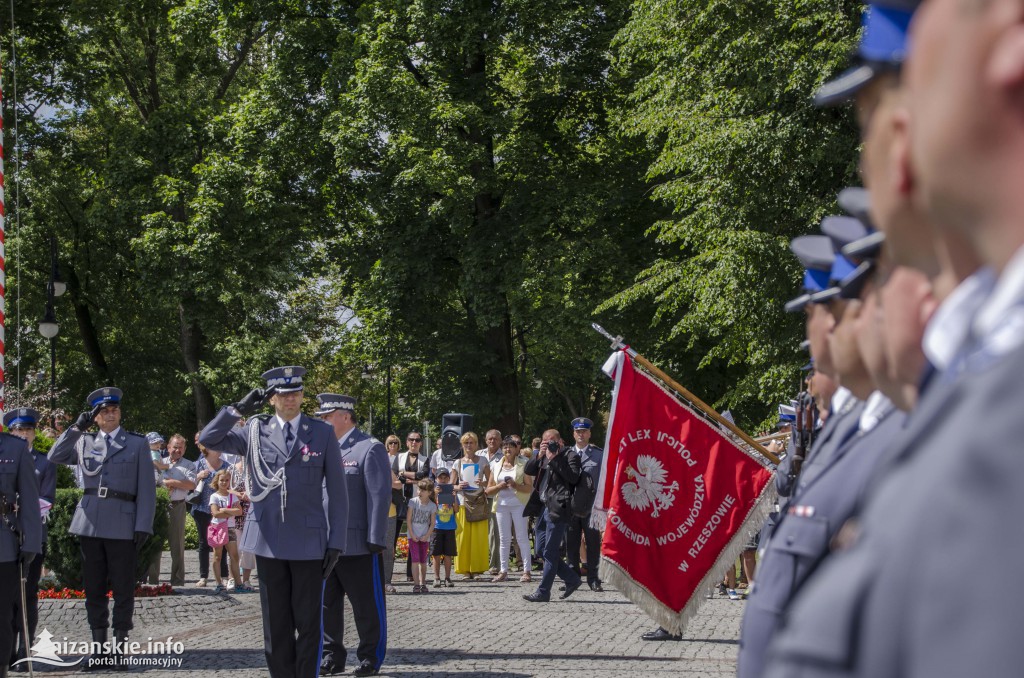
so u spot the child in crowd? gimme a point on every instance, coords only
(223, 510)
(443, 546)
(420, 521)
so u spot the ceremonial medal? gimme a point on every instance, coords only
(305, 457)
(305, 453)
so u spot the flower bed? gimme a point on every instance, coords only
(141, 591)
(402, 549)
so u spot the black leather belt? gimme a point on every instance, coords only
(107, 493)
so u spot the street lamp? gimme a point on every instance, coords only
(48, 326)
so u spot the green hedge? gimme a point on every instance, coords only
(63, 556)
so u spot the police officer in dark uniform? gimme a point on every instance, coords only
(114, 517)
(292, 471)
(579, 526)
(22, 423)
(20, 533)
(360, 571)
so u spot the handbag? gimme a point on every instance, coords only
(476, 506)
(217, 533)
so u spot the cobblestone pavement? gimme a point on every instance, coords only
(474, 629)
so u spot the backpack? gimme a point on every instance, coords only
(583, 496)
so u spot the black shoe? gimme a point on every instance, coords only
(660, 634)
(536, 597)
(562, 587)
(365, 668)
(98, 661)
(329, 668)
(595, 586)
(570, 589)
(120, 639)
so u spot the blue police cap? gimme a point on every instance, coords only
(809, 366)
(154, 437)
(328, 402)
(582, 422)
(841, 268)
(805, 344)
(841, 231)
(285, 379)
(816, 254)
(867, 248)
(787, 413)
(856, 202)
(882, 48)
(853, 284)
(23, 417)
(108, 395)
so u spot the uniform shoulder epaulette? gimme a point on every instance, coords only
(136, 433)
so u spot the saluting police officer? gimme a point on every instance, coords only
(22, 423)
(114, 517)
(20, 533)
(289, 460)
(579, 527)
(359, 573)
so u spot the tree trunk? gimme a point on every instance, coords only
(498, 341)
(191, 339)
(86, 327)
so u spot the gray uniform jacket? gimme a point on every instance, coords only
(590, 461)
(305, 530)
(368, 480)
(18, 484)
(126, 469)
(803, 536)
(903, 600)
(829, 442)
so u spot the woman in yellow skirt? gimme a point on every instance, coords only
(471, 471)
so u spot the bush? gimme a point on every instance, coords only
(191, 533)
(63, 555)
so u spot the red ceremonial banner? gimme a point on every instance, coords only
(681, 499)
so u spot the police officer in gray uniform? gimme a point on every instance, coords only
(579, 526)
(291, 460)
(114, 517)
(359, 573)
(20, 533)
(21, 422)
(820, 507)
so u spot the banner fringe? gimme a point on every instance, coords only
(672, 621)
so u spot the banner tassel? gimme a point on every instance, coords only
(675, 623)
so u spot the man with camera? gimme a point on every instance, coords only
(557, 470)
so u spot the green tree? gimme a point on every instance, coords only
(745, 163)
(489, 207)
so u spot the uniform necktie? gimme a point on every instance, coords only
(288, 437)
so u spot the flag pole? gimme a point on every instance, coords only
(617, 344)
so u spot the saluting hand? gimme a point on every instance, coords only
(252, 401)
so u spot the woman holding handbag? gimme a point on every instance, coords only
(472, 473)
(511, 490)
(221, 533)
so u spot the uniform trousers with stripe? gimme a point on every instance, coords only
(291, 596)
(361, 578)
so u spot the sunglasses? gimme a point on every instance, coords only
(392, 443)
(414, 440)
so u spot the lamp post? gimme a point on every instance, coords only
(48, 326)
(368, 373)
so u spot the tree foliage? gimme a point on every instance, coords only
(443, 195)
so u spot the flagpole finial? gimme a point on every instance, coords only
(617, 342)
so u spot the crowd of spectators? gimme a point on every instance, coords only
(467, 514)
